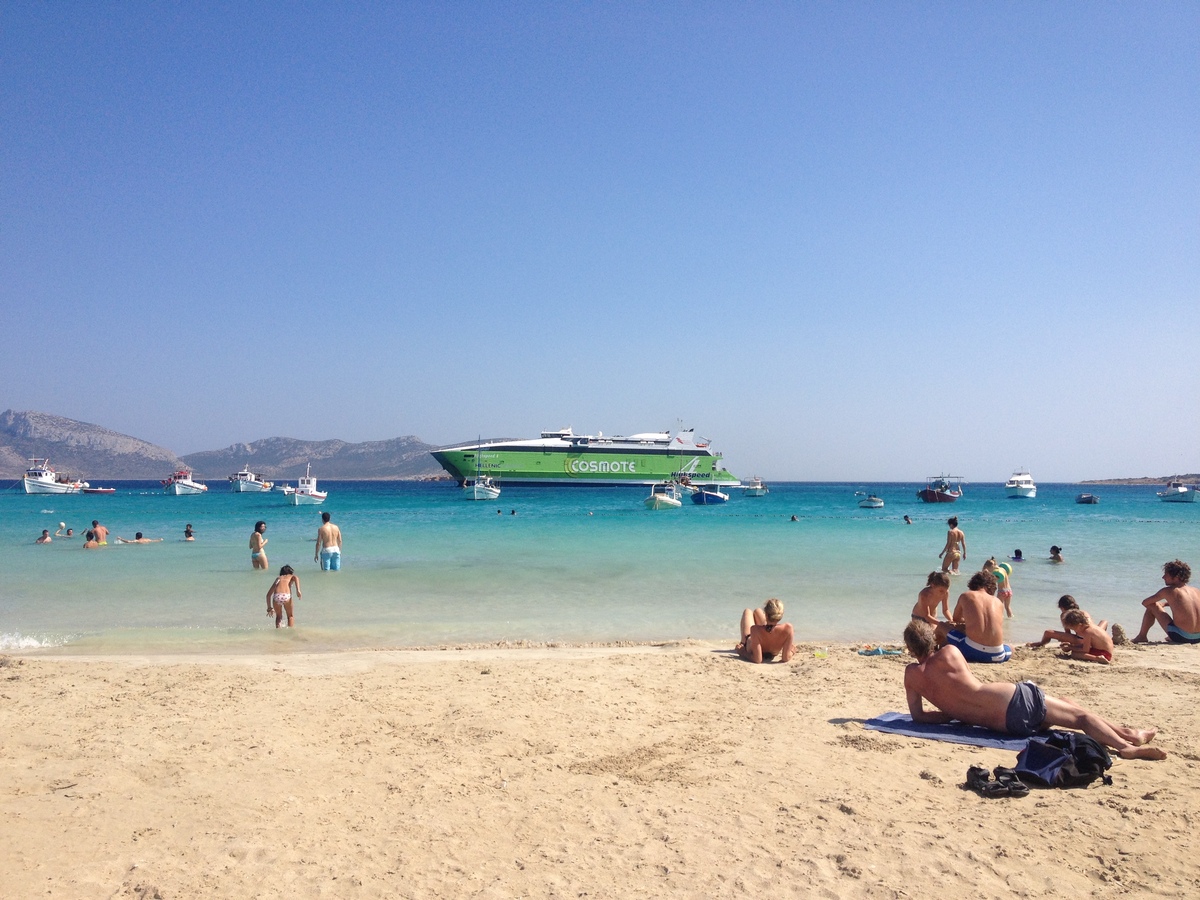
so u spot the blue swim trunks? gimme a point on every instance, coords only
(1177, 635)
(331, 559)
(1026, 710)
(980, 653)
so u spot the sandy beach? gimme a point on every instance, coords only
(671, 770)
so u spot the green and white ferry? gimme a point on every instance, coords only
(563, 457)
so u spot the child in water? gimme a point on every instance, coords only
(279, 596)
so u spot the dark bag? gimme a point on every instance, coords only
(1063, 759)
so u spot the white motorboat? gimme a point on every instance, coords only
(868, 501)
(181, 484)
(41, 479)
(246, 482)
(1020, 485)
(1176, 492)
(755, 488)
(664, 496)
(306, 493)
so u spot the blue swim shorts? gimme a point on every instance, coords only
(1177, 635)
(331, 559)
(975, 652)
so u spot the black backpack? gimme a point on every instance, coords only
(1063, 759)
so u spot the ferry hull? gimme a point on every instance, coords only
(585, 466)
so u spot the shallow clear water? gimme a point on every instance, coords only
(423, 567)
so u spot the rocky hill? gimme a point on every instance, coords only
(79, 448)
(286, 458)
(96, 453)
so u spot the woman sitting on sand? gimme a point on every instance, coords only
(765, 635)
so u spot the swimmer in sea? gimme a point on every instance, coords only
(765, 635)
(188, 534)
(45, 538)
(138, 539)
(279, 596)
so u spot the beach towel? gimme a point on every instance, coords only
(955, 733)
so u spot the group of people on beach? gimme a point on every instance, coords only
(943, 648)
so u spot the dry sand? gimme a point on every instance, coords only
(674, 771)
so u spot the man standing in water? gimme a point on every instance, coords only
(329, 545)
(100, 532)
(951, 556)
(258, 546)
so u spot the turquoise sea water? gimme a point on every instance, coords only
(423, 567)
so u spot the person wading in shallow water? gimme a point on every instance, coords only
(258, 546)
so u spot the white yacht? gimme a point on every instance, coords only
(869, 501)
(1178, 492)
(181, 484)
(482, 488)
(41, 479)
(306, 493)
(1020, 485)
(246, 482)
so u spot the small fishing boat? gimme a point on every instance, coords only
(246, 482)
(755, 488)
(181, 484)
(1087, 498)
(868, 501)
(482, 488)
(1020, 486)
(664, 496)
(939, 490)
(1178, 492)
(40, 478)
(709, 495)
(99, 490)
(305, 493)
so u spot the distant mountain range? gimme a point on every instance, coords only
(92, 452)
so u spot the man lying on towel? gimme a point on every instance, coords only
(944, 679)
(977, 626)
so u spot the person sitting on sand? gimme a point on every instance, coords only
(45, 537)
(765, 635)
(977, 626)
(935, 592)
(279, 596)
(1091, 642)
(138, 539)
(89, 541)
(944, 679)
(1056, 554)
(1183, 624)
(1066, 603)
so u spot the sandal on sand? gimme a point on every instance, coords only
(979, 780)
(1009, 778)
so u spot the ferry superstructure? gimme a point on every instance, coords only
(565, 458)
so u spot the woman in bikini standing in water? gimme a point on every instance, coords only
(279, 596)
(765, 635)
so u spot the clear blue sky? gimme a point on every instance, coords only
(843, 240)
